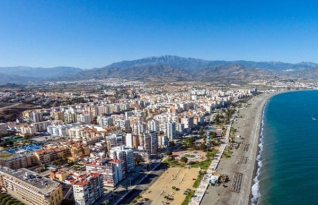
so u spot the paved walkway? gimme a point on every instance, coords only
(198, 196)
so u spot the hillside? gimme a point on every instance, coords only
(6, 78)
(194, 64)
(233, 74)
(178, 68)
(142, 72)
(168, 68)
(39, 72)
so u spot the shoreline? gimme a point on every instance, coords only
(258, 152)
(248, 125)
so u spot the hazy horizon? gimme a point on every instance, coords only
(152, 57)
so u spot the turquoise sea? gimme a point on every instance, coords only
(288, 161)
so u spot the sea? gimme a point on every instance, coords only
(287, 170)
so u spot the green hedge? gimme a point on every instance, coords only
(6, 199)
(188, 198)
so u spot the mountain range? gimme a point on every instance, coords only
(167, 68)
(22, 74)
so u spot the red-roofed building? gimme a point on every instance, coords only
(113, 171)
(87, 188)
(44, 156)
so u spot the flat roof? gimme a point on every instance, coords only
(42, 184)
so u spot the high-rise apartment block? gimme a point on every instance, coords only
(171, 130)
(112, 170)
(126, 154)
(87, 188)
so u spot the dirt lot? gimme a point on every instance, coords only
(5, 104)
(179, 177)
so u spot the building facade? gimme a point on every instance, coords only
(112, 170)
(29, 187)
(87, 188)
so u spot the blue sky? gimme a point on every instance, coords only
(89, 34)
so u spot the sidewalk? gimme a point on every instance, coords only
(133, 187)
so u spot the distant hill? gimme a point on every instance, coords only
(192, 63)
(141, 72)
(169, 68)
(5, 78)
(233, 74)
(174, 61)
(179, 68)
(39, 72)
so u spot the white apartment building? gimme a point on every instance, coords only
(139, 127)
(151, 143)
(115, 140)
(112, 170)
(104, 110)
(126, 154)
(129, 140)
(58, 130)
(36, 116)
(69, 116)
(128, 114)
(171, 130)
(124, 125)
(188, 122)
(106, 121)
(180, 128)
(3, 128)
(153, 125)
(27, 129)
(87, 188)
(40, 126)
(84, 118)
(163, 141)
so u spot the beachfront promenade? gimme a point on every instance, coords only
(243, 159)
(199, 194)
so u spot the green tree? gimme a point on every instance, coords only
(217, 119)
(189, 142)
(11, 201)
(4, 200)
(203, 147)
(184, 159)
(172, 144)
(201, 132)
(171, 158)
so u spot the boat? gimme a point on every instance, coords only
(313, 118)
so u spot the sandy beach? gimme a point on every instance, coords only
(243, 159)
(179, 177)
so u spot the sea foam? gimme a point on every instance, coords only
(256, 187)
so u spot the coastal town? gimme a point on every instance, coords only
(158, 102)
(123, 143)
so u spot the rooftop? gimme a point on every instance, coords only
(42, 184)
